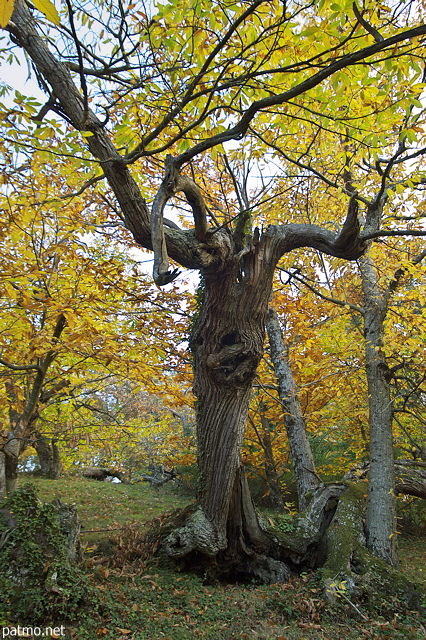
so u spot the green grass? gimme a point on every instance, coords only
(412, 557)
(152, 601)
(104, 507)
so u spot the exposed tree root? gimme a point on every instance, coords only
(351, 571)
(328, 536)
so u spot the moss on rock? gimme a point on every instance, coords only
(40, 576)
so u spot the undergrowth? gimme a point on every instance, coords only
(144, 598)
(37, 579)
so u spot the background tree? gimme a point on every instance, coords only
(67, 319)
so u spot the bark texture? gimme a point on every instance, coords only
(410, 478)
(48, 456)
(350, 569)
(381, 509)
(301, 454)
(12, 449)
(227, 344)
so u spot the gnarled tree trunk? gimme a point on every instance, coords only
(227, 344)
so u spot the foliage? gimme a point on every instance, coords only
(74, 311)
(37, 579)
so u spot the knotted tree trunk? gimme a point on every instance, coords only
(227, 344)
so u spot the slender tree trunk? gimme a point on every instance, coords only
(301, 454)
(48, 456)
(11, 473)
(3, 491)
(271, 473)
(381, 508)
(12, 450)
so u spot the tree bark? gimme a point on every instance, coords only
(3, 491)
(301, 454)
(48, 456)
(409, 479)
(227, 344)
(12, 450)
(381, 507)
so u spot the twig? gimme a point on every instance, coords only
(354, 606)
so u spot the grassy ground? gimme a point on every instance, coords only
(150, 601)
(104, 507)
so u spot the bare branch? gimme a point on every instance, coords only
(392, 233)
(173, 183)
(367, 26)
(161, 273)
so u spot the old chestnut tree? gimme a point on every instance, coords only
(142, 98)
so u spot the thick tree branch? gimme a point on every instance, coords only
(134, 208)
(348, 244)
(348, 238)
(161, 273)
(173, 183)
(186, 247)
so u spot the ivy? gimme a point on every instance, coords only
(37, 580)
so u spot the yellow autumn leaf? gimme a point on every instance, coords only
(6, 10)
(48, 9)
